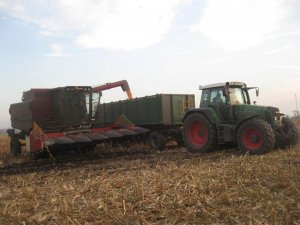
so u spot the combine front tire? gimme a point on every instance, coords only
(288, 134)
(255, 136)
(199, 135)
(15, 147)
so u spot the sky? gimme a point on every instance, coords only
(170, 46)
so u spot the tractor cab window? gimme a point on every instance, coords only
(237, 96)
(204, 98)
(217, 97)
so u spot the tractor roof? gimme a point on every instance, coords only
(216, 85)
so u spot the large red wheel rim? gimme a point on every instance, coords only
(198, 134)
(252, 138)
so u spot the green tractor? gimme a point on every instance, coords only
(226, 116)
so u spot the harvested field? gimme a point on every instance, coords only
(142, 187)
(4, 144)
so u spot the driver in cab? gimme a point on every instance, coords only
(218, 99)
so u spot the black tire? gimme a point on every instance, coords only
(287, 136)
(179, 141)
(157, 140)
(199, 135)
(255, 136)
(15, 147)
(39, 155)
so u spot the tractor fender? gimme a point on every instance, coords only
(207, 112)
(240, 122)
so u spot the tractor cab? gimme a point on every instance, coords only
(230, 101)
(230, 93)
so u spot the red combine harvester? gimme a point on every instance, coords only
(66, 117)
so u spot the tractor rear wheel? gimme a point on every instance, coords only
(255, 136)
(288, 134)
(199, 135)
(15, 147)
(157, 140)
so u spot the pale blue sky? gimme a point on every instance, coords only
(169, 46)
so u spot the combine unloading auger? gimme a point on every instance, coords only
(123, 84)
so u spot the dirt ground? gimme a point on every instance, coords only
(141, 186)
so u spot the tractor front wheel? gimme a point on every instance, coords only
(199, 135)
(255, 136)
(287, 134)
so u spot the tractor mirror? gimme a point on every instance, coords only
(226, 90)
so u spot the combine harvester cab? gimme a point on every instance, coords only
(66, 117)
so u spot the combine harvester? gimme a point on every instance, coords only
(66, 117)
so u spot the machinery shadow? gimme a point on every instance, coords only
(113, 158)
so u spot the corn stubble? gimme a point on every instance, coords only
(140, 186)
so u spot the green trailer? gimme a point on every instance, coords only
(161, 113)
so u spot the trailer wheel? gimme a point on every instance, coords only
(157, 140)
(199, 135)
(255, 136)
(15, 147)
(288, 134)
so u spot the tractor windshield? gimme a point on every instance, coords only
(237, 96)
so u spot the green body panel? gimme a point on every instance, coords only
(264, 112)
(166, 109)
(245, 111)
(235, 113)
(212, 113)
